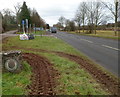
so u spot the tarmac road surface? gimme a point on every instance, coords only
(102, 51)
(7, 34)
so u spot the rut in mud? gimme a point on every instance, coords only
(111, 84)
(43, 75)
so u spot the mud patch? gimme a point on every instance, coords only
(106, 81)
(112, 85)
(43, 78)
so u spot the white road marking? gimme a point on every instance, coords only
(111, 47)
(102, 45)
(87, 40)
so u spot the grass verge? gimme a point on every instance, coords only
(73, 79)
(36, 33)
(45, 43)
(15, 84)
(101, 33)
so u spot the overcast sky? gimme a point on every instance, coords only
(49, 10)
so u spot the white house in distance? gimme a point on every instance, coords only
(0, 23)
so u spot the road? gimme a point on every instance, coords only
(7, 34)
(102, 51)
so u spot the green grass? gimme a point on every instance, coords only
(15, 84)
(72, 80)
(104, 36)
(40, 32)
(36, 33)
(46, 43)
(101, 33)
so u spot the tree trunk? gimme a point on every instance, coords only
(83, 29)
(79, 28)
(116, 10)
(95, 28)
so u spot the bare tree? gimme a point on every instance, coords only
(72, 25)
(36, 19)
(8, 21)
(95, 15)
(90, 14)
(7, 16)
(17, 8)
(58, 25)
(62, 20)
(80, 17)
(67, 21)
(114, 9)
(78, 20)
(100, 17)
(17, 11)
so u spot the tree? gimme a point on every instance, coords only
(114, 9)
(7, 15)
(67, 26)
(78, 20)
(8, 21)
(90, 14)
(36, 19)
(62, 20)
(17, 11)
(95, 15)
(72, 26)
(58, 25)
(81, 15)
(47, 26)
(99, 16)
(24, 13)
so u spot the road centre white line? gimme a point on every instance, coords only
(87, 40)
(111, 47)
(103, 45)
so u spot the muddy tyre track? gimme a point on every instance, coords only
(112, 85)
(109, 83)
(43, 75)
